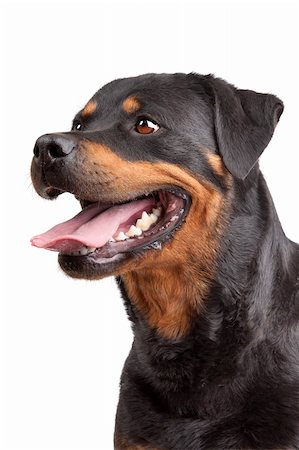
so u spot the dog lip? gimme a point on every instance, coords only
(52, 192)
(80, 266)
(178, 192)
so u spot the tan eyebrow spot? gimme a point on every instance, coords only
(131, 105)
(89, 108)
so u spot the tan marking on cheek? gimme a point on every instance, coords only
(131, 105)
(170, 290)
(89, 108)
(137, 176)
(168, 286)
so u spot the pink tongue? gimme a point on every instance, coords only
(90, 227)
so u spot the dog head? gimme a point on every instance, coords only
(152, 160)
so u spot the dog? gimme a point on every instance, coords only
(165, 167)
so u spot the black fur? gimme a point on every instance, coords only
(233, 381)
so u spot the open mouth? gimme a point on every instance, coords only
(104, 232)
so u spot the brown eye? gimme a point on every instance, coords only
(146, 126)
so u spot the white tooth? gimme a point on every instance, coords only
(138, 231)
(174, 218)
(157, 211)
(144, 215)
(121, 236)
(153, 218)
(83, 251)
(131, 231)
(134, 231)
(144, 224)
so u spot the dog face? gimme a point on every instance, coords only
(153, 161)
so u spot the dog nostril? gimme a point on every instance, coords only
(59, 148)
(55, 150)
(53, 146)
(36, 151)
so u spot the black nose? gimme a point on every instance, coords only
(52, 146)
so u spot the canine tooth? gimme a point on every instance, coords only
(83, 251)
(174, 218)
(121, 236)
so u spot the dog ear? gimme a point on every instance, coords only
(244, 124)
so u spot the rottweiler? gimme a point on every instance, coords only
(174, 205)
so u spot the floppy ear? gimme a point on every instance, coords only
(244, 124)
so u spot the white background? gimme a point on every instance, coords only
(64, 341)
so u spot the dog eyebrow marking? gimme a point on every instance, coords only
(89, 108)
(131, 105)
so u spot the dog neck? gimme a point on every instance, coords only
(167, 297)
